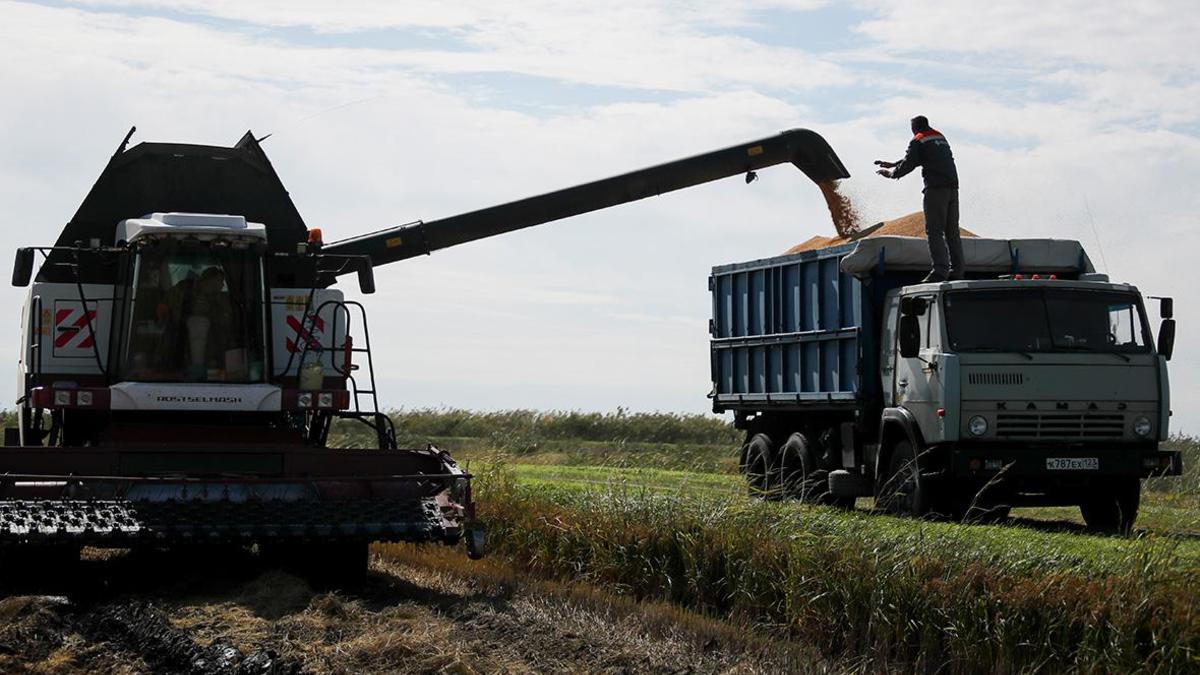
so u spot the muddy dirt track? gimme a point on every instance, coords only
(420, 612)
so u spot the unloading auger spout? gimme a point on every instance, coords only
(807, 150)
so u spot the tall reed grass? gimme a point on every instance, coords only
(918, 597)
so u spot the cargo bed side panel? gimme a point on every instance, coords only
(788, 332)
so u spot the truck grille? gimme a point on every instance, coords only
(1059, 425)
(995, 378)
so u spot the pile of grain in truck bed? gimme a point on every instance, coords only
(912, 225)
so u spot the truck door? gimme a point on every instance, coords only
(918, 386)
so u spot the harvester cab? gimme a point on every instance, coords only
(184, 359)
(190, 327)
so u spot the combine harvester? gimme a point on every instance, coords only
(1034, 382)
(183, 358)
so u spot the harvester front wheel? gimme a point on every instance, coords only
(340, 565)
(331, 565)
(39, 568)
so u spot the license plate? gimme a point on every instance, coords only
(1072, 464)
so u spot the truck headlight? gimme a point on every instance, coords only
(977, 425)
(1142, 426)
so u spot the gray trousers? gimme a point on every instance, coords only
(941, 228)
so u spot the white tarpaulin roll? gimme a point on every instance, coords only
(1044, 256)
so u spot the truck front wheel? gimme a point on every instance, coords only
(1112, 506)
(904, 492)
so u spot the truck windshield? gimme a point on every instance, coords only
(1045, 320)
(196, 315)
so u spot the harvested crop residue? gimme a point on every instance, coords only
(423, 610)
(912, 225)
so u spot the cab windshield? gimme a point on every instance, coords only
(1046, 320)
(196, 314)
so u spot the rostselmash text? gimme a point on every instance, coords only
(198, 399)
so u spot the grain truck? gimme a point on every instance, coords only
(1034, 381)
(184, 355)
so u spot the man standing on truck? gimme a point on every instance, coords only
(930, 150)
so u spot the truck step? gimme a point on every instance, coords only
(843, 483)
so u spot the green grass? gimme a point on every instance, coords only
(526, 431)
(1023, 541)
(899, 594)
(650, 479)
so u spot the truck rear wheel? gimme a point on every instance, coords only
(1112, 506)
(799, 476)
(759, 466)
(904, 492)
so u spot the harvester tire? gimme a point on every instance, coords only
(339, 565)
(40, 569)
(326, 566)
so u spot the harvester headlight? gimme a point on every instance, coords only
(304, 400)
(325, 399)
(62, 398)
(1142, 426)
(977, 425)
(84, 398)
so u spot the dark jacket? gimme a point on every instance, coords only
(931, 151)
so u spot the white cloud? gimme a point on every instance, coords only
(610, 308)
(628, 44)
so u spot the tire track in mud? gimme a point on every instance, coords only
(423, 610)
(139, 628)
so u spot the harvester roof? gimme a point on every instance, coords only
(177, 177)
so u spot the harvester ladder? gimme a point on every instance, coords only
(369, 414)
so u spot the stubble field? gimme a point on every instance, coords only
(626, 543)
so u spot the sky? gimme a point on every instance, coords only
(1069, 119)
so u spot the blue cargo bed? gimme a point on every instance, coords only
(788, 332)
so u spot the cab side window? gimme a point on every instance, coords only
(932, 338)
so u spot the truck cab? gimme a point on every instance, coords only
(1043, 391)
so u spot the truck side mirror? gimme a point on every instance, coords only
(1166, 308)
(366, 276)
(22, 267)
(1166, 338)
(910, 336)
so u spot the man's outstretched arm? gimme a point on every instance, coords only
(905, 166)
